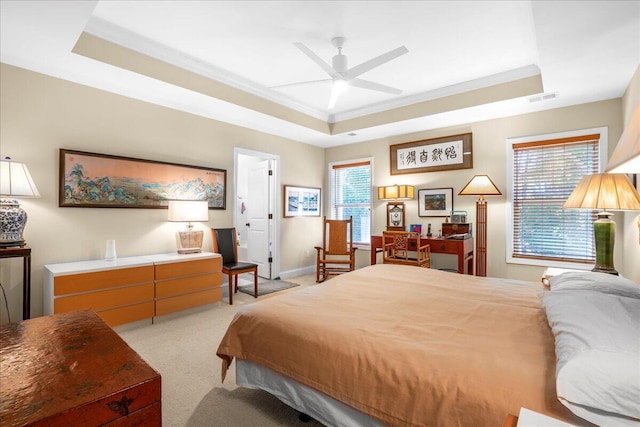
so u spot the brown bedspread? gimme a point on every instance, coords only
(409, 346)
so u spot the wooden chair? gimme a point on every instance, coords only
(337, 254)
(225, 243)
(396, 248)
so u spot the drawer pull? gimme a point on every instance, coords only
(442, 247)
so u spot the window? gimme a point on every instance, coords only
(544, 171)
(350, 184)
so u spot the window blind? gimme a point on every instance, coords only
(545, 173)
(351, 197)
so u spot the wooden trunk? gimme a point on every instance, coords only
(72, 369)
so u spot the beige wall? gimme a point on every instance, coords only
(40, 114)
(489, 156)
(631, 241)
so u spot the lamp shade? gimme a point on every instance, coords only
(15, 180)
(480, 185)
(604, 191)
(395, 192)
(188, 210)
(626, 156)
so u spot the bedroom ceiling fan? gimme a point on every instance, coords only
(343, 77)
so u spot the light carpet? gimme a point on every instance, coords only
(182, 348)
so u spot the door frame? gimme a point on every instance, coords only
(275, 201)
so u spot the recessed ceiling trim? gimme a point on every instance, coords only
(492, 80)
(107, 31)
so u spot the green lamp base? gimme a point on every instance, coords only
(604, 230)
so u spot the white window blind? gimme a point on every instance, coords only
(351, 196)
(544, 175)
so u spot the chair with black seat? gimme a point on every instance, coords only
(225, 243)
(337, 254)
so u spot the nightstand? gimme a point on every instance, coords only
(529, 418)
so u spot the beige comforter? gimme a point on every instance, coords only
(409, 346)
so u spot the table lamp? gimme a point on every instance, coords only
(15, 181)
(604, 191)
(395, 209)
(480, 185)
(189, 241)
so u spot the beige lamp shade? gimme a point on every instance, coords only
(480, 185)
(626, 156)
(396, 192)
(188, 210)
(607, 191)
(15, 180)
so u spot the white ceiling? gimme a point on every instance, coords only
(585, 51)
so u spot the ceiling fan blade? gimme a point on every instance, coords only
(315, 58)
(299, 83)
(333, 99)
(375, 62)
(366, 84)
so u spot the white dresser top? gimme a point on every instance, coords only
(75, 267)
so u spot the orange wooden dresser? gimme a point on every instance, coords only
(134, 288)
(72, 369)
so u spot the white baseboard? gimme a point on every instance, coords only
(284, 275)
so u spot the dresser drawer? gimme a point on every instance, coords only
(184, 285)
(187, 268)
(84, 282)
(183, 302)
(104, 299)
(126, 314)
(445, 246)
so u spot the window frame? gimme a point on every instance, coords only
(510, 142)
(330, 193)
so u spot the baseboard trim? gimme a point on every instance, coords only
(284, 275)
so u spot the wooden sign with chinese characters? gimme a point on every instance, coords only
(431, 155)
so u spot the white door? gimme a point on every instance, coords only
(259, 225)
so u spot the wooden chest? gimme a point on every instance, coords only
(449, 228)
(72, 369)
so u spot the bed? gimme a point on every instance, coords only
(404, 346)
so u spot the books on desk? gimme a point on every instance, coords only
(459, 236)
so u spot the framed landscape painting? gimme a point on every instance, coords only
(435, 202)
(91, 180)
(301, 201)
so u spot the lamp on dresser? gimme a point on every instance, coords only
(604, 191)
(481, 185)
(15, 181)
(395, 209)
(189, 241)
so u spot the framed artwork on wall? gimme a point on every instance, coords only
(432, 155)
(435, 202)
(91, 180)
(301, 201)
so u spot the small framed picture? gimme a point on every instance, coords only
(301, 201)
(435, 202)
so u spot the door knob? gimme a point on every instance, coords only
(247, 224)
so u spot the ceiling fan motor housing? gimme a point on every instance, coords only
(340, 63)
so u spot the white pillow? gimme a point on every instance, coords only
(598, 351)
(600, 282)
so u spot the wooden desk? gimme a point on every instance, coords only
(72, 369)
(23, 252)
(462, 248)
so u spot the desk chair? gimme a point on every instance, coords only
(396, 249)
(225, 243)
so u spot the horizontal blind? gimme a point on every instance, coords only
(545, 173)
(351, 197)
